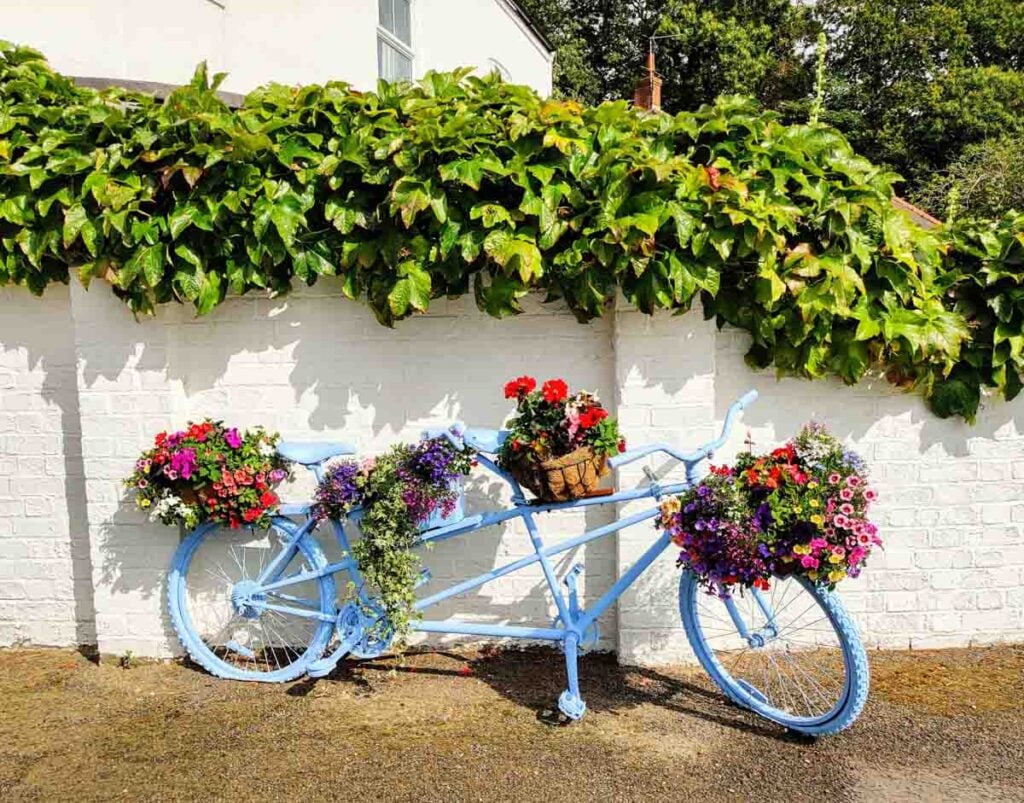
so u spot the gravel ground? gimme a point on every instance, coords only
(463, 726)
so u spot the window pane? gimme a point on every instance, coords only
(395, 16)
(386, 14)
(392, 64)
(403, 21)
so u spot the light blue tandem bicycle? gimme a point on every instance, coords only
(263, 605)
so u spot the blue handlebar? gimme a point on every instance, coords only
(693, 457)
(453, 433)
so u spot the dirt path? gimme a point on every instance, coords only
(943, 725)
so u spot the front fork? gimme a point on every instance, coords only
(762, 636)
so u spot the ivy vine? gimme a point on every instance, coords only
(460, 184)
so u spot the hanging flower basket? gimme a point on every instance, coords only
(558, 442)
(394, 497)
(208, 471)
(800, 510)
(559, 479)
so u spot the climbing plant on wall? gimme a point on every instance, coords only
(463, 184)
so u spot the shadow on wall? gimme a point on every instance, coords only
(321, 363)
(41, 331)
(314, 365)
(872, 412)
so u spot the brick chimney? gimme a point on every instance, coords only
(647, 94)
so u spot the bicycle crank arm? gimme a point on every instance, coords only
(324, 666)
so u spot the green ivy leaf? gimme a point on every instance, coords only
(148, 261)
(75, 217)
(411, 291)
(514, 254)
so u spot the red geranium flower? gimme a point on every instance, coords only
(268, 499)
(788, 453)
(592, 416)
(161, 439)
(520, 387)
(554, 391)
(252, 514)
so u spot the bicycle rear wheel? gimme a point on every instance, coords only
(800, 661)
(231, 626)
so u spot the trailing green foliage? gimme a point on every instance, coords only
(464, 183)
(985, 278)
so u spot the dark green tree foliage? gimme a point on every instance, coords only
(987, 178)
(913, 83)
(716, 47)
(463, 184)
(910, 82)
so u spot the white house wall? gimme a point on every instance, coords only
(258, 41)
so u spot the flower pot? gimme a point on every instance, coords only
(189, 496)
(458, 513)
(559, 479)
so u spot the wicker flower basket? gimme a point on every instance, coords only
(560, 479)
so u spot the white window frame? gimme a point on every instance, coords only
(405, 48)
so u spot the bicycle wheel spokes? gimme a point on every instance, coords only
(229, 612)
(791, 658)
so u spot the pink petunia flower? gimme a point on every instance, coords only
(846, 494)
(870, 495)
(853, 481)
(808, 562)
(833, 478)
(846, 509)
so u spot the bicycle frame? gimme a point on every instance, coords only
(575, 620)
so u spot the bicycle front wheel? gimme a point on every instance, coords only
(791, 654)
(234, 627)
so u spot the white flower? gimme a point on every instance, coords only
(266, 448)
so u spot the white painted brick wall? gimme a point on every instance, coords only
(951, 507)
(45, 582)
(83, 387)
(314, 366)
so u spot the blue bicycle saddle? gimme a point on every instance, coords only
(485, 440)
(308, 453)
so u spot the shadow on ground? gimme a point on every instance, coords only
(533, 678)
(462, 725)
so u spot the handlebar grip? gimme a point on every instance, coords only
(748, 399)
(453, 433)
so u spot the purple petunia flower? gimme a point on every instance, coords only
(232, 438)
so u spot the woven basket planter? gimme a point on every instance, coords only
(560, 479)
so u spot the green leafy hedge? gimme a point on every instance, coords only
(462, 183)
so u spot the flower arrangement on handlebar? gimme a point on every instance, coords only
(802, 509)
(397, 492)
(557, 442)
(208, 471)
